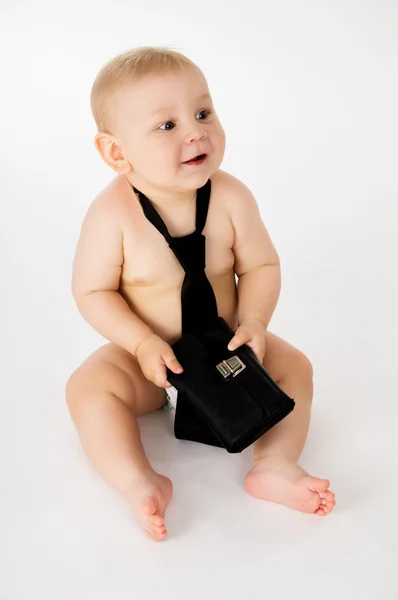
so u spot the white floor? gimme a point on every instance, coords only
(66, 535)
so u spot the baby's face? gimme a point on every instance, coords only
(165, 120)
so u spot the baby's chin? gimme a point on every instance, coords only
(196, 180)
(183, 180)
(197, 175)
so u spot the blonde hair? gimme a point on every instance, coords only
(127, 67)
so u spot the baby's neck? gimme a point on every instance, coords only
(161, 197)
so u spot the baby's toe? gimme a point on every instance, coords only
(156, 520)
(156, 533)
(316, 484)
(325, 507)
(328, 496)
(160, 533)
(328, 501)
(321, 511)
(156, 525)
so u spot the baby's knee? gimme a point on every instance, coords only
(303, 365)
(82, 384)
(73, 387)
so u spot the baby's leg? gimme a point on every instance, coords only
(105, 395)
(276, 476)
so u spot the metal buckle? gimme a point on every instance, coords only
(231, 366)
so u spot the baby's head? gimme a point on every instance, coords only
(154, 112)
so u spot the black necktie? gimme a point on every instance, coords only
(198, 302)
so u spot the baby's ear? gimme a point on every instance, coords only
(111, 153)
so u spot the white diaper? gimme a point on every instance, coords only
(171, 395)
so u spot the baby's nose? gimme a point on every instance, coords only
(197, 134)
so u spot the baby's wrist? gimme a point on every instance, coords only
(149, 335)
(248, 320)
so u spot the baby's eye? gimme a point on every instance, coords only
(167, 123)
(207, 112)
(165, 126)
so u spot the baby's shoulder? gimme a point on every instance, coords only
(112, 197)
(110, 204)
(230, 192)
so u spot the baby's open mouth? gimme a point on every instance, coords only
(198, 159)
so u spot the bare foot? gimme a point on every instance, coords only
(149, 496)
(284, 482)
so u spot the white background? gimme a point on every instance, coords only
(307, 93)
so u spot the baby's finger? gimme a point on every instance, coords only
(241, 336)
(171, 362)
(160, 377)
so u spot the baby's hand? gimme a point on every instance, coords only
(154, 355)
(252, 333)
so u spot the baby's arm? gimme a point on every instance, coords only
(256, 259)
(96, 275)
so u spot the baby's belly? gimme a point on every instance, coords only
(161, 308)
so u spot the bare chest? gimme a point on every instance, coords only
(150, 262)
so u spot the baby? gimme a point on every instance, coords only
(159, 131)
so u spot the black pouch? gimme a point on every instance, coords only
(229, 390)
(225, 399)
